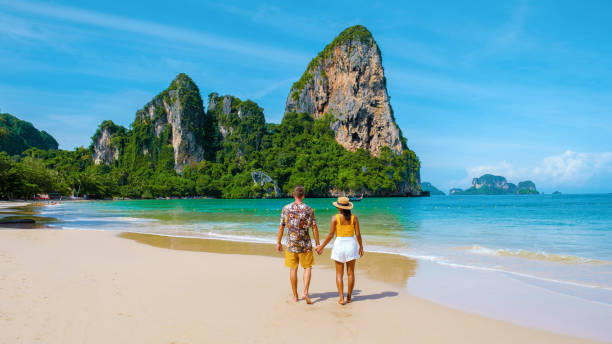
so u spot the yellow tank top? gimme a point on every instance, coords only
(345, 230)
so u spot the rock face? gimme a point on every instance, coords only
(269, 185)
(180, 110)
(105, 143)
(347, 80)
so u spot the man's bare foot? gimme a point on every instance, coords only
(348, 299)
(341, 302)
(307, 299)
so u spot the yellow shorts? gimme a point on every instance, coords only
(306, 259)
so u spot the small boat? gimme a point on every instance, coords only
(355, 198)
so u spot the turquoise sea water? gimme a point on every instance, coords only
(561, 239)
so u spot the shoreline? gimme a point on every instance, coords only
(94, 286)
(381, 250)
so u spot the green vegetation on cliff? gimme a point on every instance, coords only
(299, 150)
(17, 135)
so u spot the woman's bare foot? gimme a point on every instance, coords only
(348, 299)
(341, 302)
(307, 299)
(295, 299)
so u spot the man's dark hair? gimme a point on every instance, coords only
(299, 191)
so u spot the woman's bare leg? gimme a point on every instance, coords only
(350, 272)
(339, 281)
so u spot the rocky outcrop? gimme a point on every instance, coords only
(268, 185)
(526, 187)
(425, 186)
(489, 184)
(177, 112)
(347, 80)
(455, 191)
(489, 181)
(106, 143)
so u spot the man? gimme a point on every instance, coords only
(298, 218)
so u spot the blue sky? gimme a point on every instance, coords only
(522, 89)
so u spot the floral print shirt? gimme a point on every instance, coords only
(298, 218)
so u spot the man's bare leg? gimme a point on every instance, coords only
(307, 272)
(340, 282)
(293, 278)
(350, 273)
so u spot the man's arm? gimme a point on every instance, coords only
(281, 230)
(315, 229)
(315, 232)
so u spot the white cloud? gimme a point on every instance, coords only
(573, 167)
(569, 169)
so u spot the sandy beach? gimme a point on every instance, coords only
(13, 204)
(63, 286)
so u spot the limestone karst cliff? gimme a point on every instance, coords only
(347, 80)
(179, 111)
(174, 122)
(337, 137)
(107, 143)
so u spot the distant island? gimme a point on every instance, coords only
(338, 136)
(489, 184)
(425, 186)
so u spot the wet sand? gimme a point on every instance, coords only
(64, 286)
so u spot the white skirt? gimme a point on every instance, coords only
(345, 249)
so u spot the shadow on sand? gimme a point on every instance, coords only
(357, 296)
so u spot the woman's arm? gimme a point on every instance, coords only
(330, 236)
(358, 235)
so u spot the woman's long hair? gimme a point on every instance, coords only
(346, 213)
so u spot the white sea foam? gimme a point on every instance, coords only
(543, 256)
(110, 219)
(209, 235)
(447, 262)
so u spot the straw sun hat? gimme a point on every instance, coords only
(343, 203)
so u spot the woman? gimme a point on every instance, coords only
(348, 246)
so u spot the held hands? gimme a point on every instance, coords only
(319, 249)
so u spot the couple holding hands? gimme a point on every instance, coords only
(298, 218)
